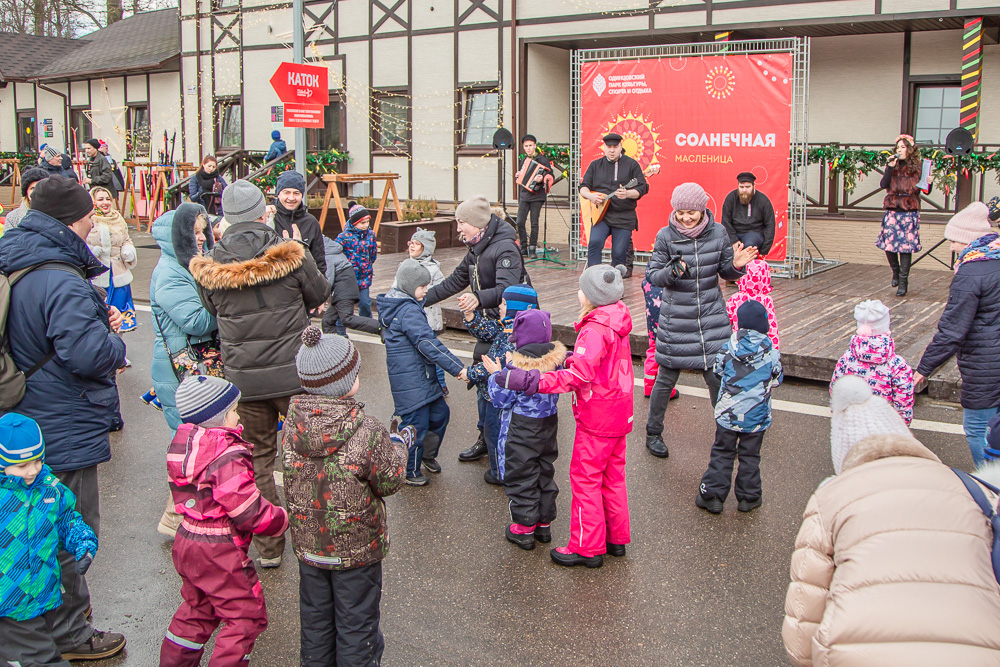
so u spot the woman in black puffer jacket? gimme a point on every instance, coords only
(689, 255)
(970, 324)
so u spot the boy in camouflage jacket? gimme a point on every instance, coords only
(339, 465)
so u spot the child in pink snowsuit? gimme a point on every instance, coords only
(210, 470)
(599, 372)
(872, 356)
(756, 286)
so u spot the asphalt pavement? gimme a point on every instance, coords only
(694, 588)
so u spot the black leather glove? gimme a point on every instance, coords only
(677, 267)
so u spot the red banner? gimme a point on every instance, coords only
(701, 118)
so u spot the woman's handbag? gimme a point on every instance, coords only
(195, 358)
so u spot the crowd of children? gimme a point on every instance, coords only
(340, 463)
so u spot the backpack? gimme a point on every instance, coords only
(13, 382)
(977, 494)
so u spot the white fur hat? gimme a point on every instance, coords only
(857, 414)
(872, 317)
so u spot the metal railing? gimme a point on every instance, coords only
(233, 166)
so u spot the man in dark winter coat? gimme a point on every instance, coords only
(605, 179)
(492, 264)
(290, 211)
(748, 216)
(345, 294)
(260, 289)
(99, 173)
(60, 328)
(970, 324)
(54, 162)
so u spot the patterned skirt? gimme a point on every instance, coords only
(900, 232)
(121, 298)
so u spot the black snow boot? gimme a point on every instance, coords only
(476, 452)
(905, 259)
(894, 265)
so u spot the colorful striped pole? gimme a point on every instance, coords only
(972, 75)
(721, 37)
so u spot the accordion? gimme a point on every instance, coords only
(531, 176)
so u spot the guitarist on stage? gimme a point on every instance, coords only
(603, 180)
(532, 193)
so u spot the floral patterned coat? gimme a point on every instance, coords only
(874, 358)
(361, 249)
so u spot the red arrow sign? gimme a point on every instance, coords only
(305, 84)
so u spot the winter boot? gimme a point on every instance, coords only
(522, 536)
(905, 259)
(616, 550)
(748, 505)
(894, 265)
(656, 446)
(566, 558)
(100, 645)
(713, 505)
(476, 452)
(543, 533)
(532, 251)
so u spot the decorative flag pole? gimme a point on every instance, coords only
(972, 75)
(721, 37)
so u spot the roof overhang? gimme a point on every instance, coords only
(171, 64)
(822, 27)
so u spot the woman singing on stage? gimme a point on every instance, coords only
(900, 235)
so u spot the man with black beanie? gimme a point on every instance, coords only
(59, 327)
(99, 173)
(29, 178)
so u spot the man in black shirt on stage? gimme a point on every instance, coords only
(533, 189)
(748, 216)
(604, 179)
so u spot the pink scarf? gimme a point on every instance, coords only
(693, 232)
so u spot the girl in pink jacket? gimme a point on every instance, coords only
(755, 286)
(600, 375)
(872, 356)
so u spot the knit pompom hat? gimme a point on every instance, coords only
(205, 400)
(327, 364)
(602, 284)
(427, 239)
(968, 224)
(858, 414)
(872, 317)
(356, 214)
(475, 211)
(20, 440)
(689, 197)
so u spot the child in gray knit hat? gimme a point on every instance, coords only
(412, 351)
(338, 464)
(421, 248)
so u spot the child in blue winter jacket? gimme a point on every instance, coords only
(526, 446)
(361, 248)
(411, 353)
(514, 299)
(749, 367)
(39, 518)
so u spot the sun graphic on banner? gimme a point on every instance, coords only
(639, 139)
(720, 82)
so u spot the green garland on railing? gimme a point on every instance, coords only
(853, 164)
(318, 164)
(26, 159)
(948, 167)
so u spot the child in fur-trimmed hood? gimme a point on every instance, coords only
(526, 445)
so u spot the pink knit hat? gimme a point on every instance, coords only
(969, 224)
(689, 197)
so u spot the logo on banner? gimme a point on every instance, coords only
(640, 140)
(599, 84)
(720, 82)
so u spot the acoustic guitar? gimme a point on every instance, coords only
(591, 213)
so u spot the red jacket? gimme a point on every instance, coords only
(211, 478)
(599, 373)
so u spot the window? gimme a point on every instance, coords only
(228, 123)
(391, 123)
(937, 113)
(138, 131)
(81, 126)
(331, 135)
(481, 117)
(222, 5)
(26, 139)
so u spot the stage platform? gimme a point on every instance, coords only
(815, 314)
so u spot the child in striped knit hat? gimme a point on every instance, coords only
(210, 470)
(362, 249)
(339, 465)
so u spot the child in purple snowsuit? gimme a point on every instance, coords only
(872, 356)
